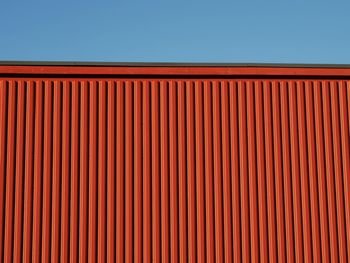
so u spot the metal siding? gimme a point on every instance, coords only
(174, 169)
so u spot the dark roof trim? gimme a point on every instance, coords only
(167, 64)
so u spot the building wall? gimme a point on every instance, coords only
(181, 168)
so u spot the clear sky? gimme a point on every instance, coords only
(252, 31)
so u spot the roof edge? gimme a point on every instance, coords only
(64, 69)
(167, 64)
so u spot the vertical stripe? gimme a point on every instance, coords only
(287, 172)
(93, 166)
(226, 167)
(243, 166)
(3, 154)
(129, 172)
(344, 126)
(28, 172)
(102, 171)
(120, 174)
(47, 171)
(304, 177)
(164, 170)
(56, 171)
(111, 171)
(332, 216)
(19, 172)
(182, 180)
(261, 174)
(10, 171)
(313, 178)
(295, 171)
(271, 181)
(138, 194)
(338, 171)
(209, 184)
(322, 190)
(173, 174)
(191, 170)
(146, 166)
(74, 172)
(156, 186)
(65, 184)
(252, 177)
(217, 157)
(235, 171)
(84, 172)
(38, 171)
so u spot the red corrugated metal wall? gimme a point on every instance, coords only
(170, 169)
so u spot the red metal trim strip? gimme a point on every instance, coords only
(175, 71)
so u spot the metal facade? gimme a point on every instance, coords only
(190, 164)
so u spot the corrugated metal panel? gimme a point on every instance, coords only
(174, 170)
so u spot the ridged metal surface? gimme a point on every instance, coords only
(174, 170)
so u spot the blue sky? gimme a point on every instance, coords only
(250, 31)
